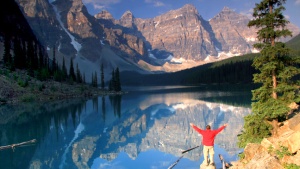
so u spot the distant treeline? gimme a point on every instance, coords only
(232, 70)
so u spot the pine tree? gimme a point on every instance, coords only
(78, 74)
(117, 80)
(102, 77)
(35, 61)
(110, 85)
(30, 57)
(276, 71)
(54, 64)
(7, 57)
(72, 75)
(112, 81)
(64, 69)
(41, 57)
(95, 80)
(24, 55)
(17, 53)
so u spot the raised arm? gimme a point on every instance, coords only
(221, 128)
(196, 128)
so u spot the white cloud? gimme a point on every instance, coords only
(155, 2)
(297, 2)
(101, 4)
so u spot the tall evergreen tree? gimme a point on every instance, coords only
(64, 69)
(17, 53)
(95, 79)
(7, 57)
(41, 57)
(102, 77)
(72, 75)
(30, 57)
(112, 81)
(35, 61)
(24, 54)
(276, 71)
(54, 64)
(117, 80)
(78, 74)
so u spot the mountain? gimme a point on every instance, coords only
(67, 28)
(232, 70)
(176, 40)
(232, 32)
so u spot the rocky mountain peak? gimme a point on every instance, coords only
(127, 19)
(231, 31)
(189, 7)
(177, 33)
(78, 5)
(229, 14)
(186, 9)
(127, 14)
(227, 9)
(104, 15)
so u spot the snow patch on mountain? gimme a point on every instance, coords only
(75, 44)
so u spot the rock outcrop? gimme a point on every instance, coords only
(274, 152)
(182, 32)
(232, 32)
(121, 36)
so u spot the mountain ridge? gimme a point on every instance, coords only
(176, 40)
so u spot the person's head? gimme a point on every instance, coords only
(207, 127)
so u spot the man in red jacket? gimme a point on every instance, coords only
(208, 139)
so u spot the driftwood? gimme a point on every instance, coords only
(13, 146)
(173, 165)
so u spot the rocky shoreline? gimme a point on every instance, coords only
(281, 152)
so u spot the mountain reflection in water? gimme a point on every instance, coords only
(142, 129)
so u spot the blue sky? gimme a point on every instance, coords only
(206, 8)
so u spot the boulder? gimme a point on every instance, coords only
(293, 142)
(252, 149)
(237, 165)
(294, 123)
(264, 160)
(266, 143)
(260, 156)
(291, 159)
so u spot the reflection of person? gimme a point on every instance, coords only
(208, 141)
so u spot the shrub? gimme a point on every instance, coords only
(282, 152)
(28, 98)
(22, 83)
(291, 166)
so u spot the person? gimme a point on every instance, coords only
(208, 139)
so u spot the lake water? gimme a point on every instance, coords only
(147, 128)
